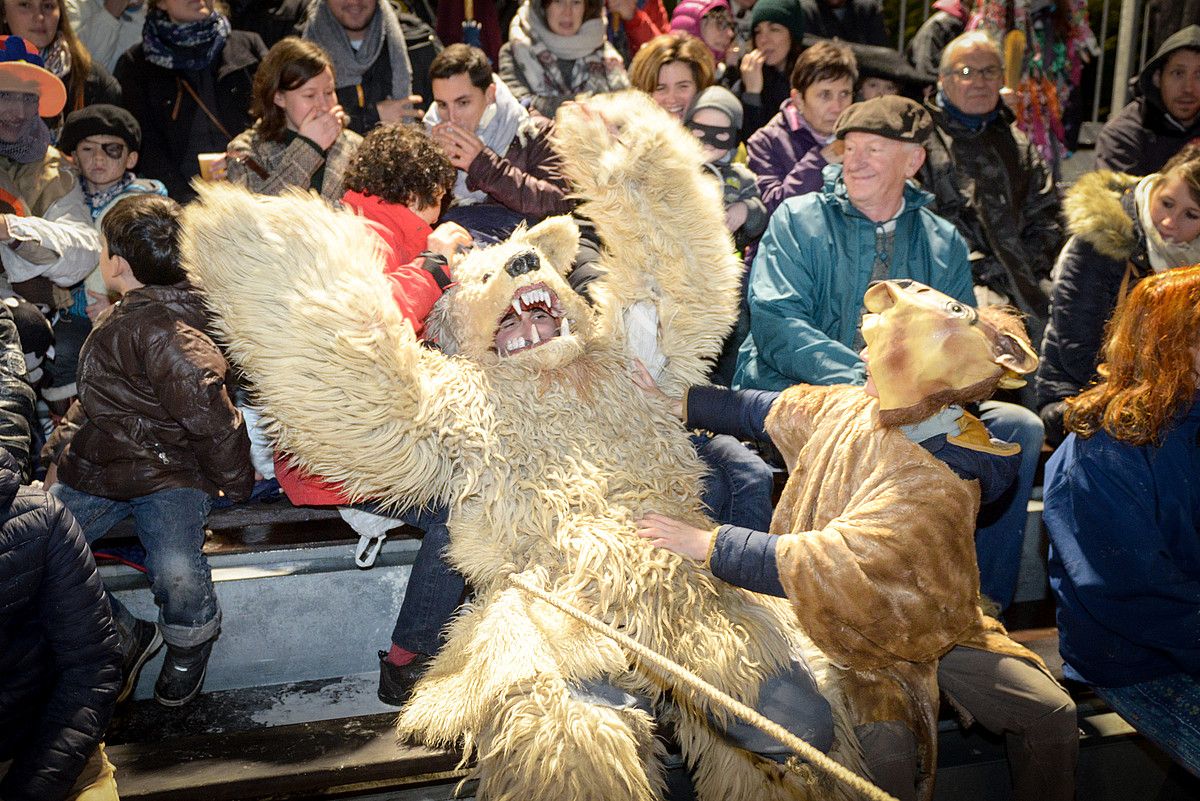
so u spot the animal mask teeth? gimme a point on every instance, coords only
(516, 344)
(565, 329)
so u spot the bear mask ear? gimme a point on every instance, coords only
(558, 240)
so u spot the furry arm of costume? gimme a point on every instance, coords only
(622, 174)
(347, 347)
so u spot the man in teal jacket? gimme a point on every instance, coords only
(821, 250)
(814, 263)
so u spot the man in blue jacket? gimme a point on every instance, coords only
(820, 253)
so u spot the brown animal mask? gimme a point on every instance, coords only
(926, 350)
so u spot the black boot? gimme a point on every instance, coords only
(396, 681)
(182, 674)
(139, 645)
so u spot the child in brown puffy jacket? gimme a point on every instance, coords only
(155, 435)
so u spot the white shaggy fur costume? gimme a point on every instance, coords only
(545, 457)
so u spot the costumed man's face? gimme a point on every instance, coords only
(926, 350)
(17, 110)
(977, 92)
(461, 102)
(526, 330)
(1179, 83)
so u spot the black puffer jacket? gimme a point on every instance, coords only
(59, 655)
(1105, 239)
(16, 397)
(152, 389)
(1142, 137)
(995, 188)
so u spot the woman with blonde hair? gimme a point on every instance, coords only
(673, 68)
(1122, 505)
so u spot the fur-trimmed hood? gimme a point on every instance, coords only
(1096, 213)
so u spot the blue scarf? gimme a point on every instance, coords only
(973, 122)
(183, 45)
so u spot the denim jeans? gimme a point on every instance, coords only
(737, 490)
(170, 525)
(1001, 528)
(435, 589)
(1166, 712)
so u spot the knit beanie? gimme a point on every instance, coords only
(723, 100)
(688, 13)
(784, 12)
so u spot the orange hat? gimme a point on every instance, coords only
(22, 70)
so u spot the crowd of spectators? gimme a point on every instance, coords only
(111, 109)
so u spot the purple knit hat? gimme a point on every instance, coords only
(688, 13)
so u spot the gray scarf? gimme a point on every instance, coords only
(497, 130)
(350, 64)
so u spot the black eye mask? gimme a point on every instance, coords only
(722, 137)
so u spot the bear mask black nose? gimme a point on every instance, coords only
(522, 263)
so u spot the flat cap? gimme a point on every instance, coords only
(890, 116)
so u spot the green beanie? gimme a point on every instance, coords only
(787, 13)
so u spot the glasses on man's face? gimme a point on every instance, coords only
(965, 73)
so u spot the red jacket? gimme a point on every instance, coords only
(414, 289)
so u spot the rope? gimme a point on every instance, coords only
(716, 696)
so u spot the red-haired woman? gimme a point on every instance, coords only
(1123, 510)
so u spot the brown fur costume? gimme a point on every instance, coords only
(877, 548)
(545, 458)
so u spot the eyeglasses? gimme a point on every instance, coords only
(965, 73)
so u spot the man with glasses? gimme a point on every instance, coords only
(990, 181)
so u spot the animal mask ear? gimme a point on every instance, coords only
(1017, 358)
(558, 240)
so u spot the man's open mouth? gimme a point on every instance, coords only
(531, 298)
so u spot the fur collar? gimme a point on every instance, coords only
(1096, 214)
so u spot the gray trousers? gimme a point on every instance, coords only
(1006, 695)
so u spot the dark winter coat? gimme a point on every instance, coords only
(1125, 556)
(995, 188)
(59, 654)
(758, 109)
(527, 178)
(156, 411)
(270, 19)
(166, 111)
(17, 418)
(924, 50)
(1142, 137)
(861, 21)
(1105, 239)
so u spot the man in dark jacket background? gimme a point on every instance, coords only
(59, 656)
(1165, 114)
(991, 183)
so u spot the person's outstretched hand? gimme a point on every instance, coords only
(645, 382)
(675, 536)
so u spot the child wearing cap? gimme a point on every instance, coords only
(715, 118)
(103, 141)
